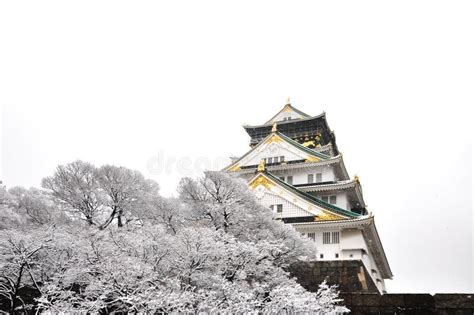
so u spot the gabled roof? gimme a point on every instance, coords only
(288, 108)
(313, 199)
(284, 122)
(338, 212)
(276, 136)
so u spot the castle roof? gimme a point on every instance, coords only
(337, 161)
(352, 186)
(299, 126)
(288, 108)
(263, 177)
(313, 156)
(313, 199)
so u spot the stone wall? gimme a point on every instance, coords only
(361, 296)
(350, 275)
(442, 304)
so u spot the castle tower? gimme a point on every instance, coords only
(296, 169)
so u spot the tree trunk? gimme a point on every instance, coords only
(119, 219)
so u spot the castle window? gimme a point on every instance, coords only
(319, 177)
(274, 159)
(330, 199)
(282, 178)
(331, 238)
(321, 256)
(279, 208)
(312, 236)
(336, 255)
(289, 180)
(310, 178)
(327, 238)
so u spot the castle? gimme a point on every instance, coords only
(295, 168)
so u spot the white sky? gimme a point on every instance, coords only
(138, 83)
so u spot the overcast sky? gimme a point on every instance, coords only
(165, 87)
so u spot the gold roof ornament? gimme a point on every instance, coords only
(356, 178)
(274, 128)
(261, 166)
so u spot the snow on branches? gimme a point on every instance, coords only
(213, 249)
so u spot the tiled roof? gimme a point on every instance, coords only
(302, 147)
(291, 108)
(269, 123)
(313, 199)
(289, 141)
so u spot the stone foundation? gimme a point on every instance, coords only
(361, 296)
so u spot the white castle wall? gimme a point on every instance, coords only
(301, 177)
(289, 209)
(351, 246)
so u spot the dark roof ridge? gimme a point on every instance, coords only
(269, 124)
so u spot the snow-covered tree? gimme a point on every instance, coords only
(21, 266)
(35, 204)
(75, 186)
(102, 195)
(226, 203)
(213, 249)
(126, 192)
(147, 269)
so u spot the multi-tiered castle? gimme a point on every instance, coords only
(296, 169)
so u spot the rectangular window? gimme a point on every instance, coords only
(319, 177)
(321, 256)
(327, 238)
(312, 236)
(274, 159)
(330, 199)
(289, 180)
(330, 237)
(336, 255)
(282, 178)
(279, 208)
(310, 178)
